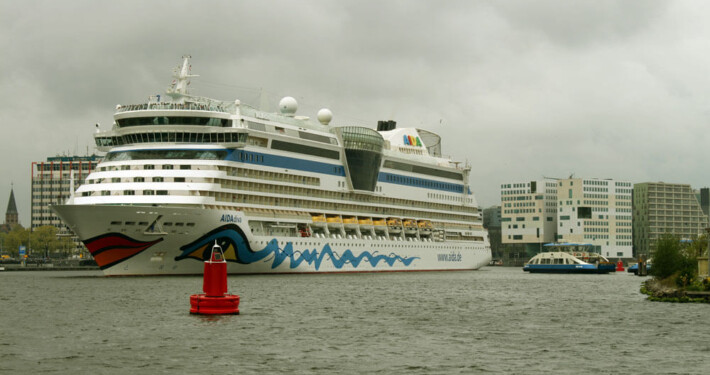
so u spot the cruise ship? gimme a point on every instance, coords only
(279, 192)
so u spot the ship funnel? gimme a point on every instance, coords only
(386, 125)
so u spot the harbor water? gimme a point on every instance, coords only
(495, 320)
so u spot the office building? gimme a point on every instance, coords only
(597, 212)
(529, 213)
(661, 208)
(52, 182)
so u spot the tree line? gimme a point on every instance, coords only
(39, 242)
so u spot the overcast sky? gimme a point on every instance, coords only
(520, 89)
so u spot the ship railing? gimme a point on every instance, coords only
(174, 106)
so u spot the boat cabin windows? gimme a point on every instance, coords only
(317, 138)
(423, 170)
(174, 120)
(165, 154)
(302, 149)
(172, 137)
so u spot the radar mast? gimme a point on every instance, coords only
(178, 88)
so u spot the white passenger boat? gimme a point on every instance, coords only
(564, 262)
(279, 192)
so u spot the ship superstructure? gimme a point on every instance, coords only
(279, 192)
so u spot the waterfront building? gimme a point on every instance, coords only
(661, 208)
(575, 210)
(596, 212)
(52, 182)
(529, 213)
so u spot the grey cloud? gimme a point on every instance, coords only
(520, 88)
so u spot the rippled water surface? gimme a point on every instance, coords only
(497, 320)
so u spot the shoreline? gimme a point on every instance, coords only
(656, 291)
(45, 267)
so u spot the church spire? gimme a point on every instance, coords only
(11, 214)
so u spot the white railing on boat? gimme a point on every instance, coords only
(173, 106)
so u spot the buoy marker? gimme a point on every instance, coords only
(215, 300)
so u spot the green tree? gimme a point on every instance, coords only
(667, 259)
(45, 241)
(688, 267)
(16, 237)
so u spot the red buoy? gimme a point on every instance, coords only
(620, 266)
(215, 300)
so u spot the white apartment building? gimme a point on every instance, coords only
(597, 212)
(529, 212)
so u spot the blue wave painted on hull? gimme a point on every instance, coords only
(231, 238)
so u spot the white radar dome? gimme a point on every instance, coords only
(288, 106)
(324, 116)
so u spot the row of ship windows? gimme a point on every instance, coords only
(230, 184)
(334, 195)
(424, 183)
(272, 176)
(294, 191)
(449, 197)
(295, 203)
(135, 179)
(176, 137)
(145, 166)
(145, 223)
(126, 192)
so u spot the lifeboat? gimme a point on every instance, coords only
(410, 226)
(425, 226)
(365, 223)
(394, 225)
(334, 220)
(318, 220)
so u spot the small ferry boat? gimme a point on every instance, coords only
(564, 262)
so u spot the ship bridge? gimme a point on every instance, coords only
(363, 155)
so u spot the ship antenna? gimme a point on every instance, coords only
(178, 88)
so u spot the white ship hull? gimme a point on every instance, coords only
(123, 242)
